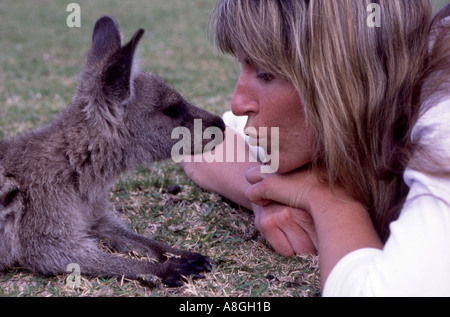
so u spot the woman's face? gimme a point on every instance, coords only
(272, 102)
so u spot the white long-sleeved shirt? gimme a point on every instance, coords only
(415, 260)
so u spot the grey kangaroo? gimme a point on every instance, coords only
(54, 181)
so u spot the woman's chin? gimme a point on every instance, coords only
(288, 165)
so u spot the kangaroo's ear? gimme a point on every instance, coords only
(106, 82)
(117, 77)
(109, 64)
(105, 40)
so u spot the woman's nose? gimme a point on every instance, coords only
(244, 100)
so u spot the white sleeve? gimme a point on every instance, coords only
(414, 262)
(416, 258)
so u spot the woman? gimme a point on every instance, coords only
(364, 148)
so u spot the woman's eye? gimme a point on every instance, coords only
(267, 77)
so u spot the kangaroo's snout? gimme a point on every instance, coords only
(218, 122)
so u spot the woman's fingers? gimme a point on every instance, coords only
(288, 189)
(254, 175)
(286, 229)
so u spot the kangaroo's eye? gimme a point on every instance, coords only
(172, 111)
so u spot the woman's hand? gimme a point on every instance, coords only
(341, 224)
(292, 189)
(288, 230)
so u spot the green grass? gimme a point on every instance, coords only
(40, 59)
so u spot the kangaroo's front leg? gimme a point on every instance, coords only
(53, 256)
(181, 263)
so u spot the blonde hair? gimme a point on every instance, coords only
(360, 86)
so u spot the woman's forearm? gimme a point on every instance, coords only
(342, 226)
(226, 177)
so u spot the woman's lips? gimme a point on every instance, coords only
(254, 139)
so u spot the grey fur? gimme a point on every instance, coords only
(54, 181)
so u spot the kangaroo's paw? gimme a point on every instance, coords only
(177, 268)
(150, 280)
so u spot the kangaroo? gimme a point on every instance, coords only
(54, 180)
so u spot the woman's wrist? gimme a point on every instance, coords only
(343, 225)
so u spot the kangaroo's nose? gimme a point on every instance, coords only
(218, 122)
